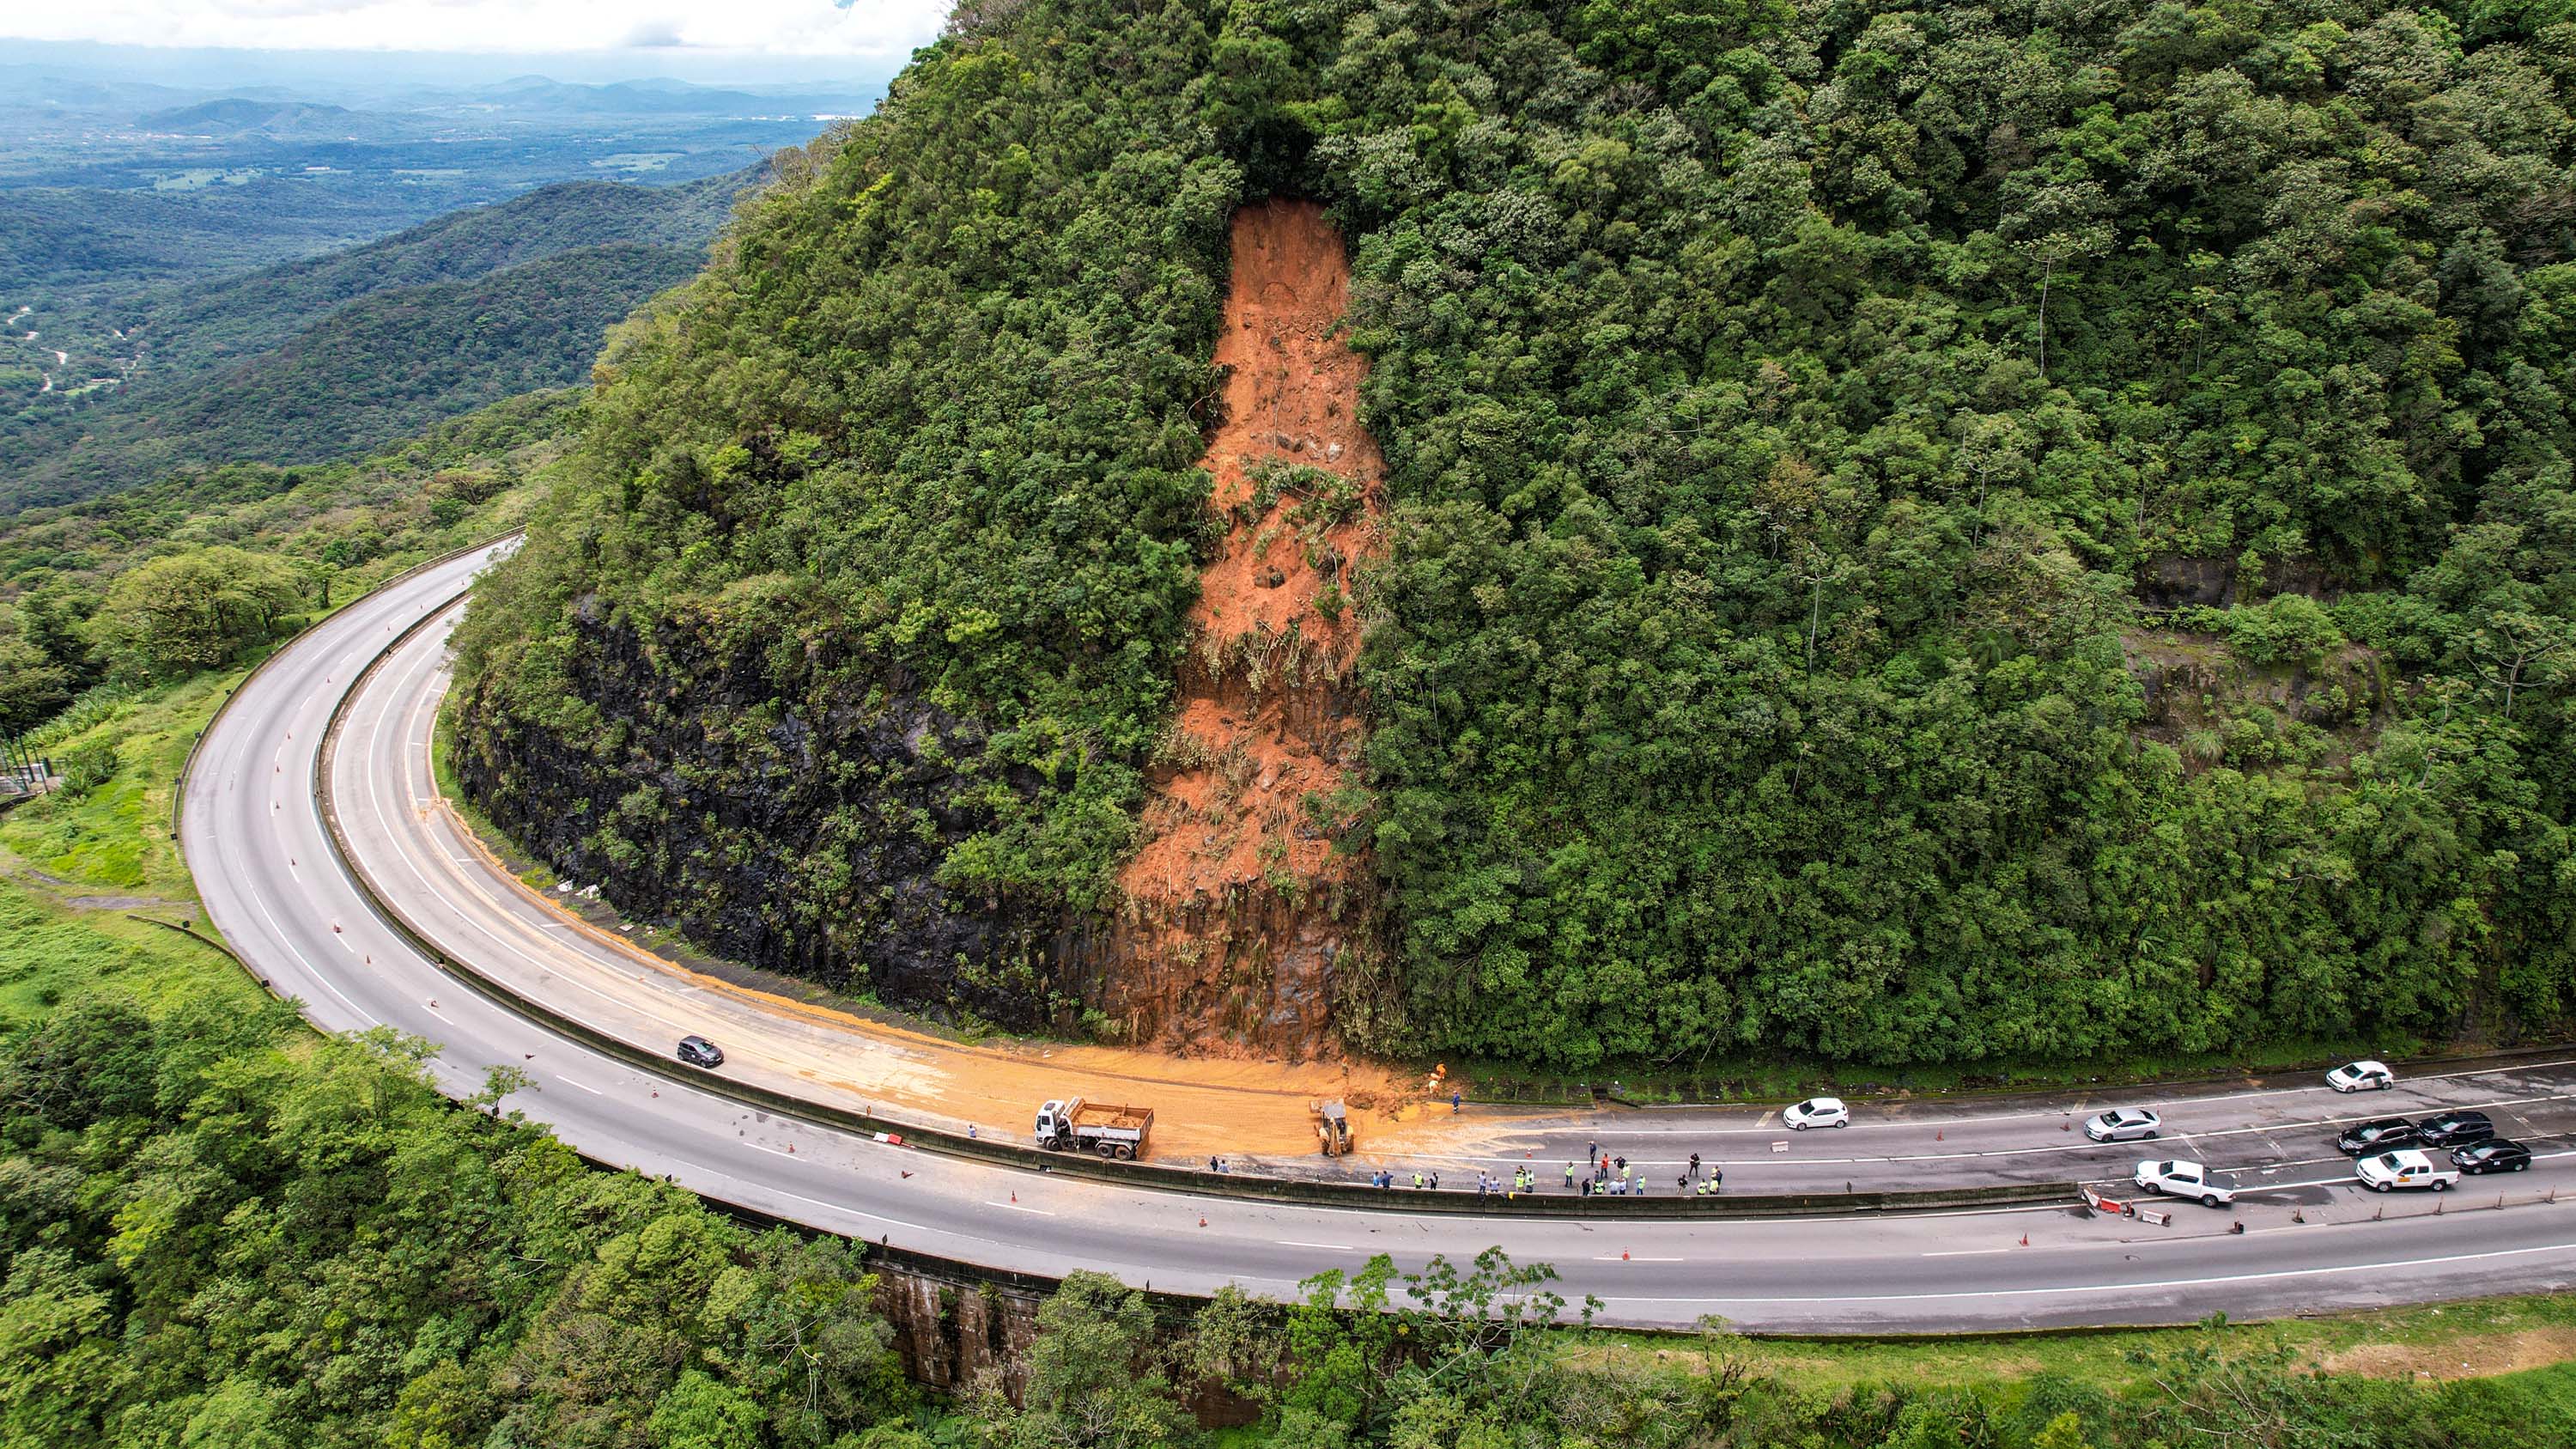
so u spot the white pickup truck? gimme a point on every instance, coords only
(2184, 1179)
(2408, 1168)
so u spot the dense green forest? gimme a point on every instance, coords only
(216, 1230)
(104, 598)
(1955, 533)
(333, 355)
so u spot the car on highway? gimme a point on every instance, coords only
(2409, 1168)
(2455, 1129)
(1816, 1112)
(697, 1051)
(2378, 1135)
(2184, 1179)
(2493, 1155)
(2361, 1077)
(2124, 1124)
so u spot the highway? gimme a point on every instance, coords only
(254, 834)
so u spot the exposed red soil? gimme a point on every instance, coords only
(1239, 911)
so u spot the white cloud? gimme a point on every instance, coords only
(816, 28)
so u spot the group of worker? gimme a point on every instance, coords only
(1602, 1175)
(1615, 1177)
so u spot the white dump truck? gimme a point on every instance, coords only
(1074, 1125)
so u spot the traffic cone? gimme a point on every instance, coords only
(1623, 1255)
(1203, 1220)
(2025, 1240)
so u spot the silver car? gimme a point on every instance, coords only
(2124, 1124)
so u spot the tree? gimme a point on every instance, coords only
(699, 1412)
(1094, 1378)
(2519, 651)
(178, 614)
(32, 685)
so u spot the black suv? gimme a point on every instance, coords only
(2388, 1133)
(2493, 1155)
(697, 1051)
(2455, 1129)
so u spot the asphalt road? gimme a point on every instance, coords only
(253, 833)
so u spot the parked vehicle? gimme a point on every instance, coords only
(1074, 1125)
(2378, 1135)
(2455, 1129)
(697, 1051)
(2184, 1179)
(2124, 1124)
(1816, 1112)
(2404, 1169)
(2362, 1076)
(2493, 1155)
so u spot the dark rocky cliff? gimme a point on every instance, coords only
(789, 823)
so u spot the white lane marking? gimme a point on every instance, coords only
(2160, 1283)
(712, 1174)
(1604, 1258)
(1969, 1252)
(772, 1151)
(585, 1086)
(1017, 1208)
(1321, 1247)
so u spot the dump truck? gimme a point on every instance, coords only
(1074, 1125)
(1332, 1127)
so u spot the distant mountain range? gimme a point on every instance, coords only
(285, 120)
(162, 107)
(330, 355)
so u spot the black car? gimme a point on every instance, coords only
(697, 1051)
(2454, 1129)
(2493, 1155)
(2363, 1138)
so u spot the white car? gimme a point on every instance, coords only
(2124, 1124)
(1816, 1112)
(2408, 1168)
(2361, 1077)
(2184, 1179)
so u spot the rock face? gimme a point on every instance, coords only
(1241, 916)
(793, 813)
(662, 808)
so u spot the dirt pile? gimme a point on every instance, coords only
(1240, 914)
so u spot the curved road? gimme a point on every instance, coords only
(271, 881)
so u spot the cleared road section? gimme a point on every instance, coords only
(253, 832)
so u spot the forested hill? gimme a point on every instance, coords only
(331, 355)
(1971, 532)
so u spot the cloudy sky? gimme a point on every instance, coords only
(802, 28)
